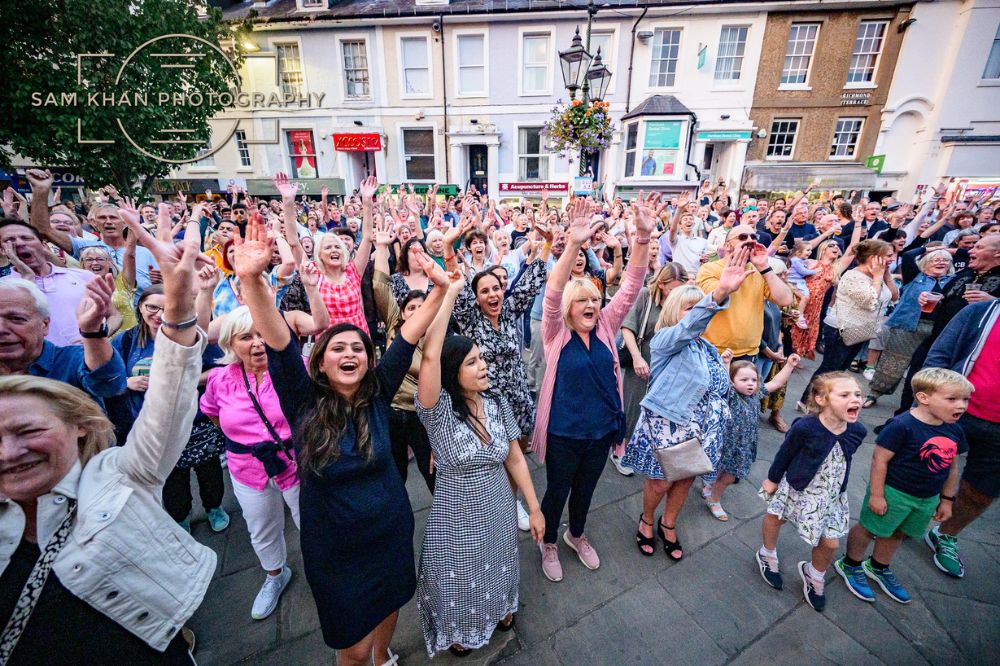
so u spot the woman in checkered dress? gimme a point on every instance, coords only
(468, 575)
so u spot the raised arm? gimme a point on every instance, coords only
(416, 324)
(317, 319)
(251, 257)
(41, 186)
(577, 234)
(364, 251)
(429, 382)
(291, 226)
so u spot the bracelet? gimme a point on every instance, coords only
(950, 498)
(642, 241)
(766, 270)
(102, 332)
(181, 325)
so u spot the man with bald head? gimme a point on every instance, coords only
(740, 326)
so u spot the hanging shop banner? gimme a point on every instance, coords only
(357, 143)
(303, 153)
(583, 185)
(661, 147)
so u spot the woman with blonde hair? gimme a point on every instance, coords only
(97, 260)
(688, 385)
(828, 269)
(580, 413)
(637, 329)
(82, 521)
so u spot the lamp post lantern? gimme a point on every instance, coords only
(583, 71)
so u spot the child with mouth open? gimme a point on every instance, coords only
(807, 482)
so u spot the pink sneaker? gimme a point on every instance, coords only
(550, 561)
(802, 323)
(583, 549)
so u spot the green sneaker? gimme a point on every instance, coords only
(186, 524)
(218, 519)
(945, 548)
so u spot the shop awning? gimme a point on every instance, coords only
(263, 187)
(169, 186)
(797, 176)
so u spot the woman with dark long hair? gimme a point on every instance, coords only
(409, 276)
(469, 573)
(357, 523)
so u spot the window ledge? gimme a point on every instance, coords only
(988, 83)
(778, 159)
(728, 89)
(245, 170)
(860, 85)
(795, 86)
(204, 169)
(842, 158)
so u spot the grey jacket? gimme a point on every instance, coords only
(125, 556)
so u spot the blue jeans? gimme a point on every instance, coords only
(572, 470)
(836, 355)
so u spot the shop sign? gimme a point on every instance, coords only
(444, 190)
(534, 187)
(168, 186)
(61, 177)
(357, 143)
(583, 185)
(724, 135)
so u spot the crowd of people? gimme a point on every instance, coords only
(311, 349)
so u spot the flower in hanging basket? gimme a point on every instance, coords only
(577, 126)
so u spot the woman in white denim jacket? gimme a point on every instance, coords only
(92, 569)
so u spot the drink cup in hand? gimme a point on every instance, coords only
(929, 301)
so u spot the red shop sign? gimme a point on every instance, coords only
(357, 143)
(534, 187)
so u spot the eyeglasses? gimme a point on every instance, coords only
(744, 237)
(152, 309)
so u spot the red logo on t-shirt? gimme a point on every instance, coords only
(938, 453)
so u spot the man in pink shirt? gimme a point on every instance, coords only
(64, 287)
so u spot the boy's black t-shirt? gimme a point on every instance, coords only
(923, 454)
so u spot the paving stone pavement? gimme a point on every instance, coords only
(710, 608)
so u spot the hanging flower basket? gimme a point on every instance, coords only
(576, 127)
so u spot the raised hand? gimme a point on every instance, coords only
(39, 179)
(733, 274)
(579, 230)
(434, 272)
(383, 231)
(309, 274)
(286, 189)
(180, 197)
(647, 211)
(208, 278)
(367, 189)
(252, 253)
(95, 306)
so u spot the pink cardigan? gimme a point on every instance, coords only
(555, 335)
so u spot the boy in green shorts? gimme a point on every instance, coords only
(914, 477)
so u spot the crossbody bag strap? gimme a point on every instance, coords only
(260, 412)
(32, 589)
(645, 320)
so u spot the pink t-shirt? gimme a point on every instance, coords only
(63, 287)
(984, 403)
(226, 399)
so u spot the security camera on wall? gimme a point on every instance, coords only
(761, 133)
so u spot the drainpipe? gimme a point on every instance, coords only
(631, 57)
(687, 158)
(444, 99)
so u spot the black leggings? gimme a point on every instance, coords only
(837, 355)
(406, 431)
(177, 489)
(572, 470)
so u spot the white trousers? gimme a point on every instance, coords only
(264, 511)
(536, 357)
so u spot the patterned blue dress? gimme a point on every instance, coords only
(739, 448)
(708, 423)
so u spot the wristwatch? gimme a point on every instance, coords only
(181, 325)
(766, 270)
(950, 498)
(102, 332)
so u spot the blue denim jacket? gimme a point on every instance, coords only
(678, 371)
(907, 311)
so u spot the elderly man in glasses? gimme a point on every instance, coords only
(740, 326)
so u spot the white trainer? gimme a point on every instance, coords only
(523, 523)
(624, 470)
(270, 593)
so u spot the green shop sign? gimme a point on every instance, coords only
(724, 135)
(445, 190)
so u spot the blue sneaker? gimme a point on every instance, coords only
(856, 581)
(887, 581)
(186, 524)
(218, 519)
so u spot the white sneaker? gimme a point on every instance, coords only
(624, 470)
(270, 593)
(869, 373)
(523, 522)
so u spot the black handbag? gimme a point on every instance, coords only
(206, 441)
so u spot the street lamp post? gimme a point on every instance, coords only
(583, 71)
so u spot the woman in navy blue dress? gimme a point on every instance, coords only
(356, 519)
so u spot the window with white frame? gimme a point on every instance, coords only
(535, 64)
(631, 148)
(355, 68)
(418, 154)
(289, 68)
(314, 4)
(781, 143)
(732, 45)
(992, 69)
(242, 149)
(603, 41)
(532, 162)
(471, 64)
(799, 52)
(416, 66)
(205, 161)
(867, 47)
(663, 66)
(845, 137)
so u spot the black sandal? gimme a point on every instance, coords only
(643, 541)
(459, 652)
(669, 547)
(506, 627)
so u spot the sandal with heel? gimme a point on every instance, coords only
(669, 547)
(642, 541)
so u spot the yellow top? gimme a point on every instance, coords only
(741, 325)
(122, 299)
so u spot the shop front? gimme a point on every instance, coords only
(657, 146)
(772, 180)
(312, 187)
